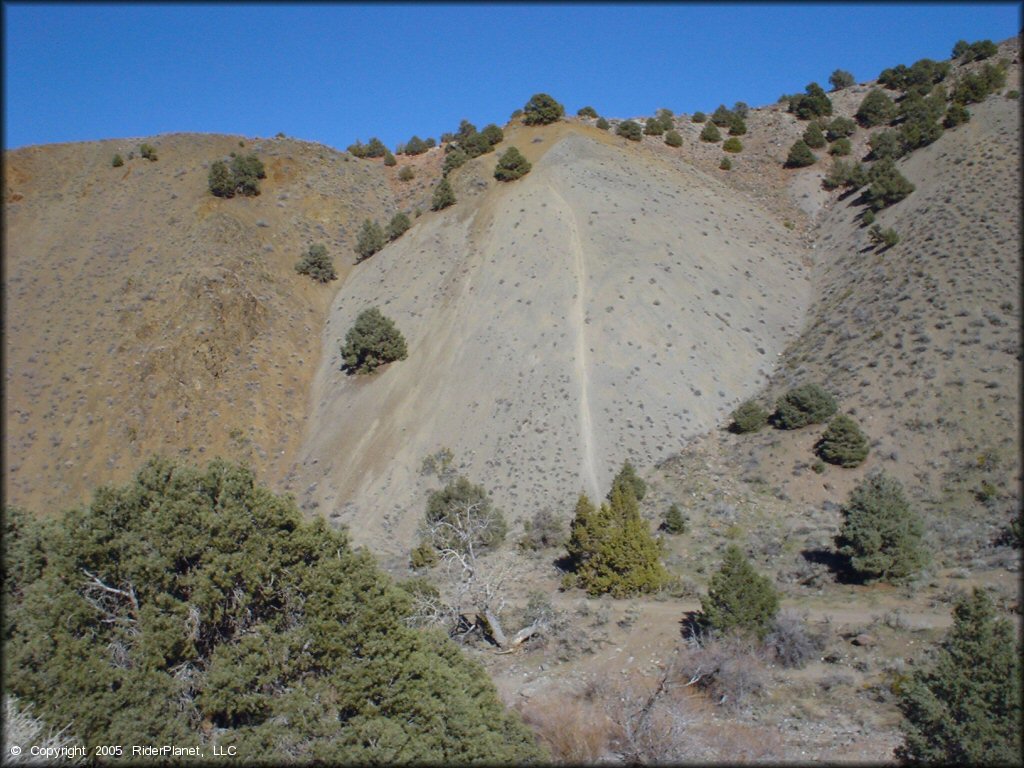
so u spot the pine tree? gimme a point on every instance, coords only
(813, 137)
(443, 196)
(739, 599)
(370, 240)
(710, 133)
(398, 225)
(881, 534)
(675, 520)
(542, 109)
(372, 341)
(800, 155)
(511, 165)
(627, 476)
(965, 707)
(843, 443)
(749, 417)
(803, 405)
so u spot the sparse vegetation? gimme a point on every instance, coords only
(803, 405)
(886, 238)
(542, 109)
(444, 196)
(317, 264)
(843, 443)
(739, 600)
(543, 531)
(372, 341)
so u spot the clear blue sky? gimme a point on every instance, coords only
(334, 73)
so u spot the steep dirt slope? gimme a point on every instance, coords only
(142, 314)
(606, 306)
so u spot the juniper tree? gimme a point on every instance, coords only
(542, 109)
(443, 196)
(675, 521)
(372, 341)
(511, 165)
(748, 417)
(843, 443)
(739, 600)
(710, 133)
(813, 137)
(876, 108)
(627, 476)
(840, 79)
(630, 130)
(800, 155)
(370, 240)
(673, 139)
(317, 264)
(803, 405)
(398, 225)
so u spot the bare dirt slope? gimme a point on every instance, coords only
(144, 315)
(608, 306)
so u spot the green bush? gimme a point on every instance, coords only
(543, 531)
(461, 517)
(881, 535)
(444, 196)
(476, 145)
(876, 108)
(666, 118)
(699, 117)
(975, 87)
(886, 238)
(964, 706)
(220, 181)
(542, 109)
(454, 159)
(372, 341)
(803, 405)
(246, 172)
(415, 146)
(370, 240)
(722, 116)
(813, 137)
(887, 185)
(628, 477)
(739, 599)
(886, 144)
(493, 134)
(841, 79)
(675, 521)
(810, 104)
(653, 127)
(957, 114)
(629, 130)
(840, 148)
(710, 133)
(317, 264)
(603, 124)
(673, 139)
(511, 165)
(389, 159)
(422, 556)
(118, 161)
(800, 155)
(191, 599)
(736, 126)
(148, 152)
(398, 225)
(406, 173)
(843, 443)
(748, 417)
(732, 144)
(845, 174)
(840, 128)
(969, 52)
(725, 165)
(586, 112)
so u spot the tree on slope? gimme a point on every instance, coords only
(372, 341)
(542, 109)
(739, 599)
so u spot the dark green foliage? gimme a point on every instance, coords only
(375, 148)
(710, 133)
(739, 599)
(920, 117)
(406, 173)
(461, 516)
(245, 174)
(511, 165)
(725, 165)
(840, 148)
(415, 146)
(586, 112)
(841, 79)
(920, 77)
(803, 405)
(317, 264)
(370, 240)
(544, 531)
(974, 87)
(516, 114)
(886, 238)
(398, 225)
(189, 598)
(876, 108)
(812, 103)
(675, 521)
(611, 549)
(466, 129)
(748, 417)
(603, 124)
(969, 52)
(673, 139)
(849, 174)
(964, 706)
(117, 161)
(887, 185)
(542, 109)
(841, 128)
(813, 137)
(843, 443)
(741, 109)
(666, 119)
(220, 181)
(957, 114)
(444, 196)
(372, 341)
(699, 117)
(800, 155)
(630, 130)
(722, 116)
(881, 534)
(389, 159)
(653, 127)
(476, 145)
(148, 152)
(422, 556)
(493, 134)
(454, 159)
(886, 145)
(736, 126)
(627, 477)
(732, 144)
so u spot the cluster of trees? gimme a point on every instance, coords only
(374, 148)
(467, 143)
(372, 341)
(241, 177)
(372, 236)
(415, 146)
(968, 52)
(733, 119)
(194, 607)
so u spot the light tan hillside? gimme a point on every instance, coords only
(142, 314)
(607, 306)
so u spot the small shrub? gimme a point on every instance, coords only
(886, 238)
(868, 218)
(813, 137)
(840, 128)
(493, 134)
(722, 116)
(630, 130)
(415, 146)
(841, 79)
(887, 185)
(957, 114)
(1012, 95)
(370, 240)
(246, 172)
(969, 52)
(790, 642)
(976, 86)
(454, 159)
(710, 133)
(406, 173)
(843, 443)
(840, 148)
(422, 556)
(675, 521)
(603, 124)
(699, 117)
(586, 112)
(443, 197)
(725, 165)
(543, 531)
(736, 126)
(732, 144)
(398, 225)
(118, 161)
(511, 165)
(748, 417)
(729, 671)
(148, 151)
(317, 264)
(803, 405)
(653, 127)
(372, 341)
(389, 159)
(673, 139)
(542, 109)
(800, 155)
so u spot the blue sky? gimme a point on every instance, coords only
(336, 72)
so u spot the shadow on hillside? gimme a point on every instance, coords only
(838, 565)
(691, 626)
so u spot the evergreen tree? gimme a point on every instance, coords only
(415, 146)
(675, 520)
(803, 405)
(370, 240)
(372, 341)
(710, 133)
(800, 155)
(461, 516)
(739, 599)
(875, 109)
(628, 477)
(887, 185)
(737, 127)
(542, 109)
(843, 443)
(964, 708)
(586, 112)
(443, 196)
(389, 159)
(653, 127)
(398, 225)
(246, 171)
(454, 159)
(493, 134)
(673, 139)
(117, 160)
(732, 144)
(749, 417)
(841, 79)
(722, 116)
(317, 264)
(603, 124)
(630, 130)
(220, 181)
(881, 534)
(810, 104)
(813, 137)
(840, 128)
(511, 165)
